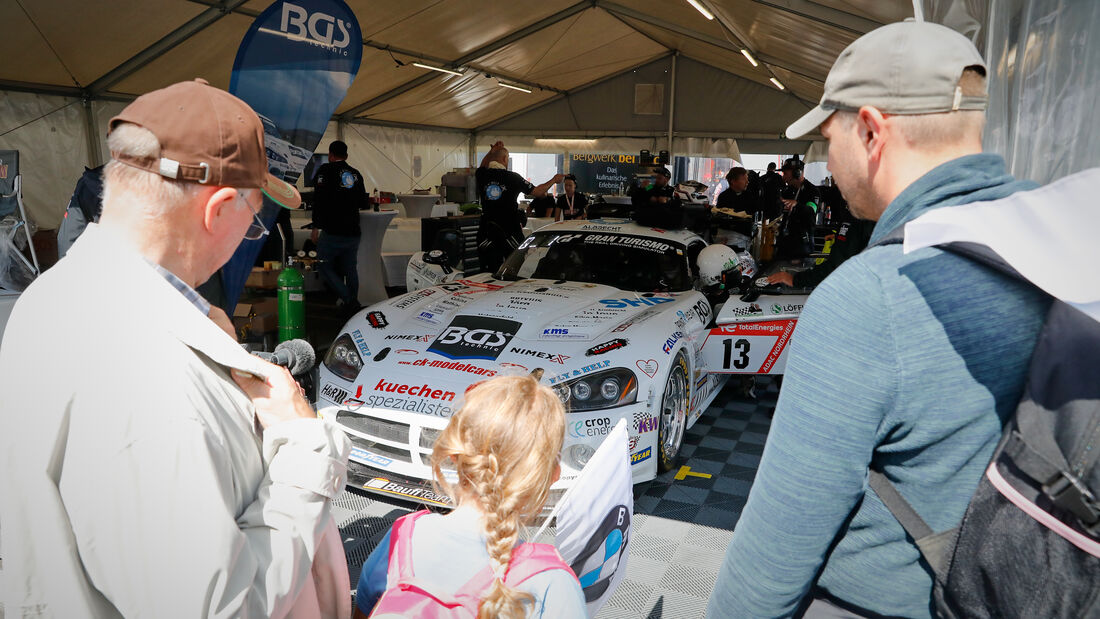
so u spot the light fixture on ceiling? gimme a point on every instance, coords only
(777, 84)
(440, 69)
(749, 57)
(567, 141)
(702, 9)
(515, 87)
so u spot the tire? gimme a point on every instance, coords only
(673, 414)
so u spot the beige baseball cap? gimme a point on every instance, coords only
(904, 68)
(206, 136)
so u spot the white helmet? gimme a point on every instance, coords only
(714, 261)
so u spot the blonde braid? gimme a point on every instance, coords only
(503, 443)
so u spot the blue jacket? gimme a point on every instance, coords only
(908, 361)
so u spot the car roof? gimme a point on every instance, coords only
(614, 225)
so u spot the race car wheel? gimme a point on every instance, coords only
(674, 408)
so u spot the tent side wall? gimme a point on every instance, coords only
(48, 131)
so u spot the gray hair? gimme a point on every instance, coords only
(152, 193)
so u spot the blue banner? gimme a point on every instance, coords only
(294, 67)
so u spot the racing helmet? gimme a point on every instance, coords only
(715, 263)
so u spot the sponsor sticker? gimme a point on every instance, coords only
(671, 342)
(579, 372)
(635, 302)
(641, 456)
(457, 366)
(365, 457)
(599, 426)
(360, 343)
(606, 347)
(789, 307)
(410, 337)
(428, 317)
(332, 393)
(551, 357)
(412, 298)
(419, 493)
(649, 366)
(647, 424)
(474, 337)
(377, 320)
(562, 333)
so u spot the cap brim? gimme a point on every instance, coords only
(281, 192)
(810, 121)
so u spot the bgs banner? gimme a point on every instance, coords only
(595, 517)
(294, 67)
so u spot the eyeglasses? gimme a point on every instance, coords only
(257, 230)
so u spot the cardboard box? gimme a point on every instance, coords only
(259, 278)
(256, 305)
(258, 324)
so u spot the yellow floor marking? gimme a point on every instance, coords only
(686, 470)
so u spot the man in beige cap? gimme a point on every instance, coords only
(150, 466)
(904, 364)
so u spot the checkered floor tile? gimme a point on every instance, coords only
(683, 519)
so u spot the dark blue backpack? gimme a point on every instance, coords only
(1029, 543)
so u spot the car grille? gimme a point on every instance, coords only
(371, 426)
(381, 449)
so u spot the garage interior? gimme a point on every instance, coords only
(555, 77)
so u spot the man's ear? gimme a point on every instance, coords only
(871, 125)
(216, 206)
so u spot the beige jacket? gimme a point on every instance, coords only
(134, 478)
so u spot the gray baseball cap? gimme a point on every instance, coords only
(904, 68)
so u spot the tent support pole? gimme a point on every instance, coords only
(340, 129)
(471, 150)
(672, 104)
(91, 135)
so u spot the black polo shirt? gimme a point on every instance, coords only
(337, 198)
(498, 190)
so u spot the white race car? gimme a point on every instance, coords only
(606, 312)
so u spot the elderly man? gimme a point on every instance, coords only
(500, 230)
(151, 467)
(891, 368)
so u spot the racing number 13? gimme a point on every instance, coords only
(742, 360)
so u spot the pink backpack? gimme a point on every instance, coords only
(408, 596)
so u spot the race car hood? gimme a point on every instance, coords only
(424, 349)
(545, 310)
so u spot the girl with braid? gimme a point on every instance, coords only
(502, 446)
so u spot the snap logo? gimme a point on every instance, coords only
(649, 366)
(318, 27)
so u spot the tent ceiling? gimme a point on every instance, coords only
(555, 46)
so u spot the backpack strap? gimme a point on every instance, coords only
(527, 561)
(400, 566)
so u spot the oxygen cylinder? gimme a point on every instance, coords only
(292, 305)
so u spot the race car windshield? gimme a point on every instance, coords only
(627, 262)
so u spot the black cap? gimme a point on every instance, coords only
(794, 163)
(663, 171)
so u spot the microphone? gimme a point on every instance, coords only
(295, 355)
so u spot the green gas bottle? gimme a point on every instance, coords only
(292, 305)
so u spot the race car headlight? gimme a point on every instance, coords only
(342, 358)
(606, 389)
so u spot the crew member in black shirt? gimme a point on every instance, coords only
(660, 192)
(571, 205)
(800, 202)
(738, 197)
(771, 186)
(337, 198)
(500, 230)
(851, 237)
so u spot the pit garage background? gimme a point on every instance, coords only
(605, 76)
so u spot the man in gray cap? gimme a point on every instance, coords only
(902, 363)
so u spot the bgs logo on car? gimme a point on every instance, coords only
(474, 337)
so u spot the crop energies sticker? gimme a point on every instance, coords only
(474, 337)
(294, 67)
